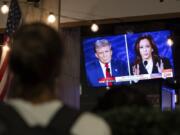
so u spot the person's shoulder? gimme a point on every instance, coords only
(164, 58)
(117, 62)
(161, 58)
(89, 124)
(92, 64)
(166, 62)
(120, 65)
(8, 119)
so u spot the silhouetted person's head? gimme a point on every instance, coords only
(123, 96)
(35, 59)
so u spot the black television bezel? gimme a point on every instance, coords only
(137, 27)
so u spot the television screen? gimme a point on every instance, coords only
(128, 58)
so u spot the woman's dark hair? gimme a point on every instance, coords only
(35, 56)
(153, 46)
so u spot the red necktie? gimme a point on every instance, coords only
(108, 74)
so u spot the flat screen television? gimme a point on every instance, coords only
(133, 57)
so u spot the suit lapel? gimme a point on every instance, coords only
(114, 69)
(99, 70)
(155, 70)
(142, 69)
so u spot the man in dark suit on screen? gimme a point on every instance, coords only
(104, 67)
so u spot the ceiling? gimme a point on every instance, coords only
(88, 10)
(75, 10)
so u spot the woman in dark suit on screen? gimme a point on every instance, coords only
(147, 59)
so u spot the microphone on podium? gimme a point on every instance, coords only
(145, 63)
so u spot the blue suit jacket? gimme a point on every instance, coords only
(94, 72)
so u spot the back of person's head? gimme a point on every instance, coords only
(35, 56)
(123, 96)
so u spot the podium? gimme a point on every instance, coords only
(167, 73)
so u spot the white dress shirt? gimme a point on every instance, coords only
(104, 68)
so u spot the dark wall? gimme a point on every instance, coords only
(68, 88)
(1, 38)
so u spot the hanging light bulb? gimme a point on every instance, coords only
(170, 41)
(51, 18)
(6, 48)
(94, 27)
(4, 8)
